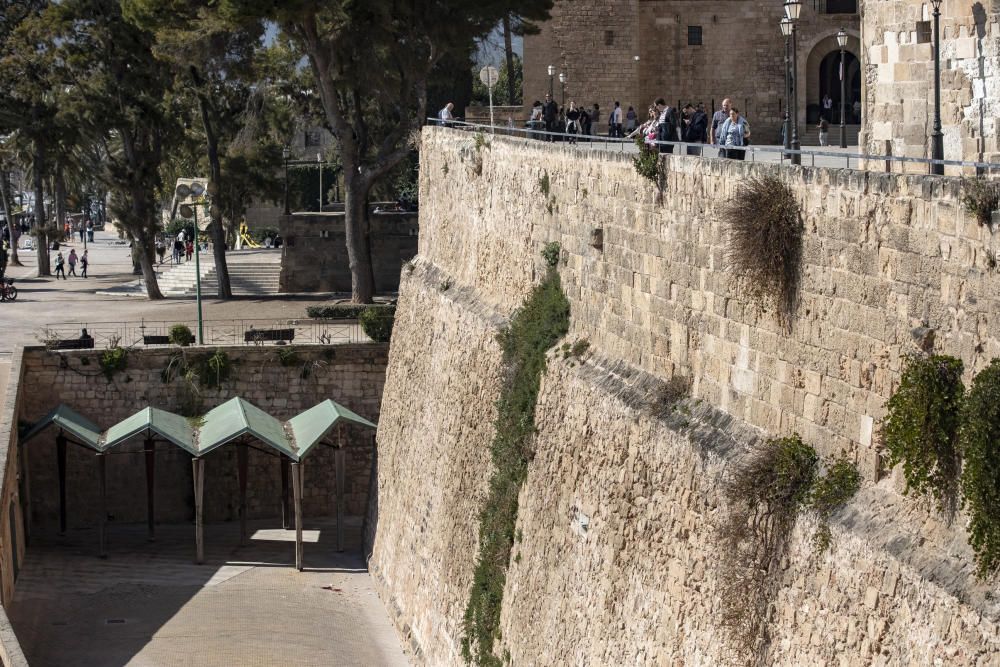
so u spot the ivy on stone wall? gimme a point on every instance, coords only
(533, 330)
(980, 445)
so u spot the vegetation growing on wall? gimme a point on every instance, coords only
(550, 253)
(647, 162)
(980, 445)
(180, 334)
(765, 243)
(766, 493)
(113, 360)
(533, 330)
(980, 199)
(921, 428)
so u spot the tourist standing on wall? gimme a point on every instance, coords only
(572, 121)
(824, 132)
(734, 134)
(695, 129)
(666, 128)
(615, 121)
(550, 114)
(631, 118)
(585, 121)
(718, 118)
(445, 115)
(595, 119)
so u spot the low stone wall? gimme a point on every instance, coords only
(352, 375)
(314, 257)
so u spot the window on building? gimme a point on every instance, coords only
(923, 32)
(313, 138)
(609, 38)
(841, 6)
(694, 35)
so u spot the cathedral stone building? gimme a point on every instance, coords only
(634, 51)
(899, 78)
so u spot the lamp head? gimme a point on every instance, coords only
(285, 153)
(552, 70)
(562, 77)
(786, 26)
(793, 8)
(937, 4)
(842, 38)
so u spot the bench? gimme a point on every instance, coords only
(156, 340)
(260, 336)
(72, 344)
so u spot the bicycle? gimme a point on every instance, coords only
(7, 290)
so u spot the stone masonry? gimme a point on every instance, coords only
(616, 561)
(352, 375)
(899, 78)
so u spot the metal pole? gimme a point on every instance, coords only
(320, 185)
(937, 137)
(796, 145)
(288, 210)
(149, 447)
(102, 477)
(197, 275)
(198, 470)
(843, 100)
(787, 139)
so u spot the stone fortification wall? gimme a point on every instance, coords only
(352, 375)
(899, 88)
(616, 561)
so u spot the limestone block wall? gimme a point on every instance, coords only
(352, 375)
(617, 562)
(899, 89)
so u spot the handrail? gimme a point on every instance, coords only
(753, 151)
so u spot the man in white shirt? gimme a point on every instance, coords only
(445, 115)
(616, 121)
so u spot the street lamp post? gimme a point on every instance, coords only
(786, 30)
(284, 156)
(319, 159)
(187, 212)
(842, 42)
(562, 82)
(937, 137)
(552, 73)
(792, 10)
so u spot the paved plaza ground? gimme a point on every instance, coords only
(149, 605)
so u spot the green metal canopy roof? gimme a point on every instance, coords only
(234, 418)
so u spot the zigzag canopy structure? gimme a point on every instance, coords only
(236, 421)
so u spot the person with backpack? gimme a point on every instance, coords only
(84, 263)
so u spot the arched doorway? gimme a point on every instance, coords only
(829, 84)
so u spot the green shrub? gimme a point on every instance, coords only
(342, 311)
(551, 252)
(544, 184)
(830, 492)
(377, 323)
(980, 446)
(980, 198)
(647, 162)
(921, 428)
(113, 360)
(209, 370)
(533, 330)
(764, 252)
(180, 334)
(287, 356)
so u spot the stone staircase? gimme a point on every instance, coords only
(810, 135)
(246, 279)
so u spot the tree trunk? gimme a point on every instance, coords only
(358, 259)
(508, 48)
(8, 212)
(60, 192)
(143, 245)
(41, 224)
(216, 229)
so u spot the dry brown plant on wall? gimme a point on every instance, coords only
(764, 253)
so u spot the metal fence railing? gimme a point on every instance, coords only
(773, 154)
(216, 332)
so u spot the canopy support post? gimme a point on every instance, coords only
(149, 447)
(102, 476)
(198, 469)
(297, 499)
(61, 462)
(285, 518)
(242, 455)
(339, 456)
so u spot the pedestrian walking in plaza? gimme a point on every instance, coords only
(178, 251)
(824, 132)
(73, 259)
(161, 249)
(189, 250)
(84, 263)
(90, 231)
(734, 135)
(81, 230)
(718, 118)
(60, 266)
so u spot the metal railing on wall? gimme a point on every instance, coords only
(768, 154)
(147, 333)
